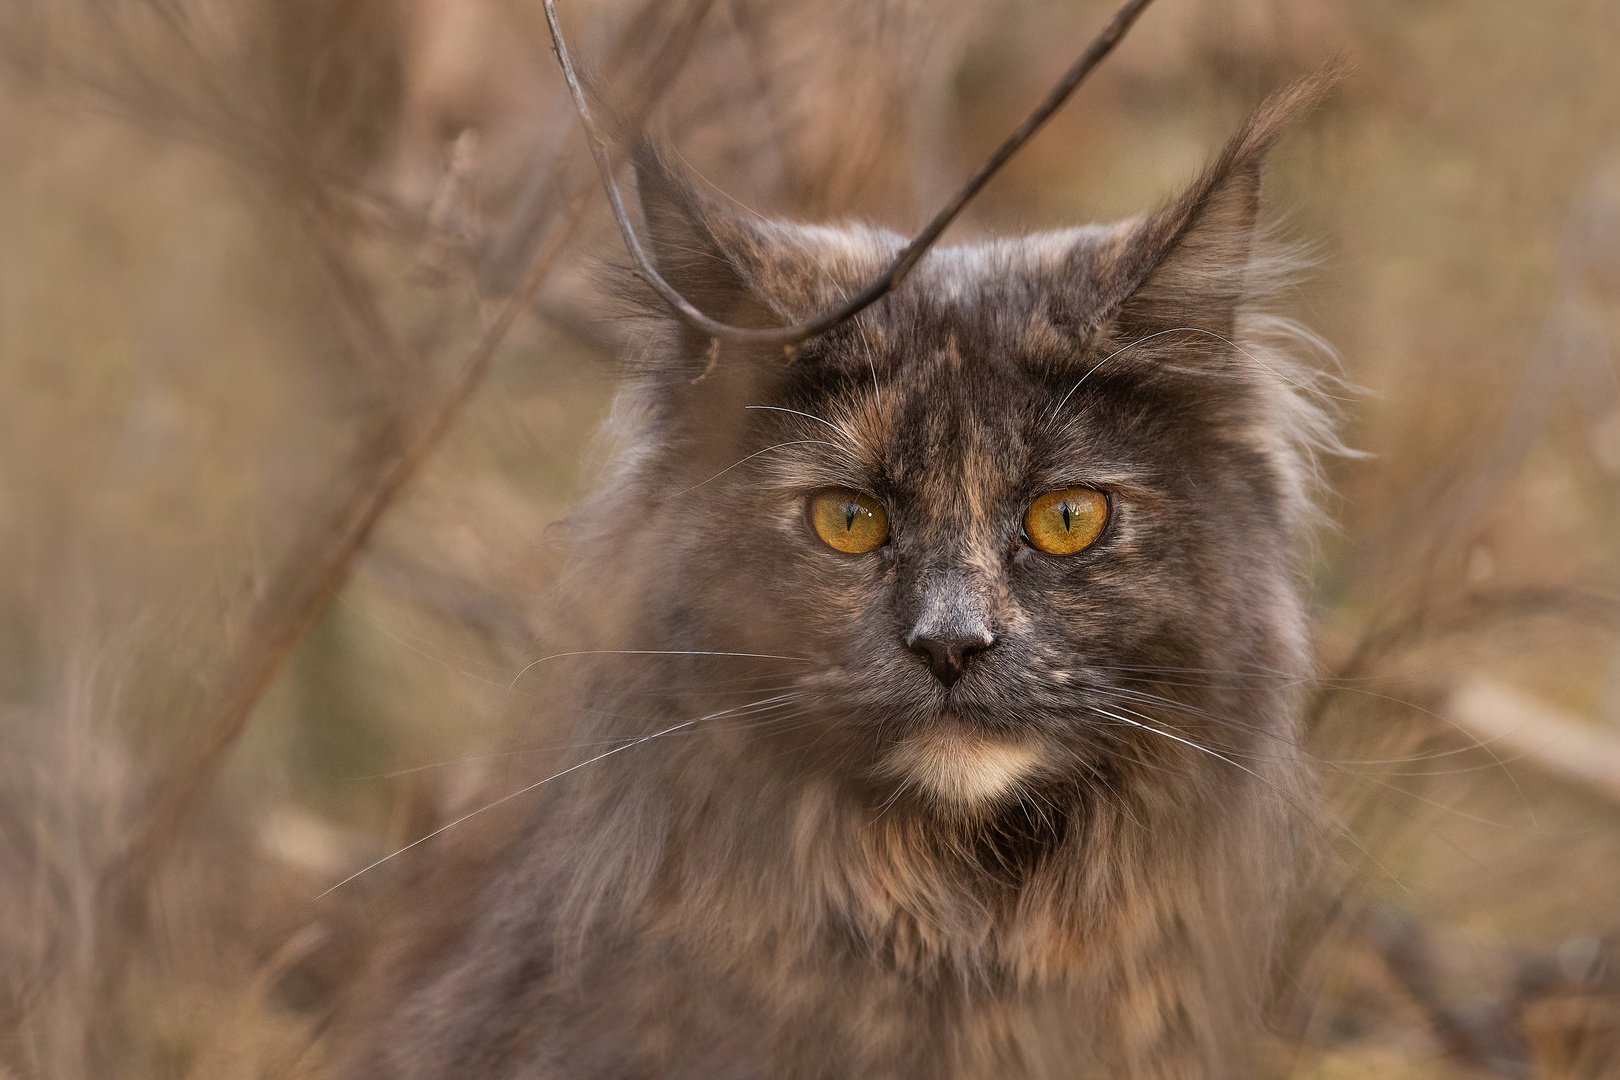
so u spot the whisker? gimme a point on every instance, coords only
(1185, 742)
(1317, 759)
(779, 446)
(1534, 829)
(860, 328)
(548, 748)
(797, 412)
(1193, 710)
(1124, 348)
(1295, 383)
(1475, 743)
(1359, 775)
(1341, 829)
(503, 799)
(492, 756)
(521, 791)
(402, 640)
(653, 652)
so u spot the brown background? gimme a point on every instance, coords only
(245, 247)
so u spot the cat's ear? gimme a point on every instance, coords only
(1189, 263)
(712, 256)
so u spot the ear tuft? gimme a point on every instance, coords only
(1186, 264)
(699, 249)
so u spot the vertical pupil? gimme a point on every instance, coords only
(850, 510)
(1066, 525)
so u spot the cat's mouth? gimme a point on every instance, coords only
(960, 766)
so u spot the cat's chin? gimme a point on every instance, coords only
(960, 769)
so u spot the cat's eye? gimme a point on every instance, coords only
(848, 521)
(1067, 521)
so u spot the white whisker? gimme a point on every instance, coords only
(525, 790)
(860, 329)
(652, 652)
(1185, 742)
(755, 454)
(796, 412)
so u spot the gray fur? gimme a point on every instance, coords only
(781, 890)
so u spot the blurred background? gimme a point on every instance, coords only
(303, 343)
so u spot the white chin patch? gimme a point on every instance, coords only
(963, 769)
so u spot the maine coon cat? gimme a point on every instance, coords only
(948, 662)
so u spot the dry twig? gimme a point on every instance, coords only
(317, 566)
(908, 257)
(312, 576)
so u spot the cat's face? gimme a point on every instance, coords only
(1028, 520)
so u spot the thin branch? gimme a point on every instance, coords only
(315, 570)
(281, 624)
(908, 257)
(293, 604)
(1466, 614)
(311, 578)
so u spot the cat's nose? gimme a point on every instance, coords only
(947, 651)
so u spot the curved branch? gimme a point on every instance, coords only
(908, 257)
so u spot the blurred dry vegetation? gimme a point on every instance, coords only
(257, 257)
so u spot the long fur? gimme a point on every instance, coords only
(812, 858)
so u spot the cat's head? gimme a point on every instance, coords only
(1029, 519)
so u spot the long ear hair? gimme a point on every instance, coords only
(1187, 263)
(684, 231)
(738, 267)
(716, 258)
(1190, 284)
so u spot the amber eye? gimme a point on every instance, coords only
(848, 521)
(1067, 521)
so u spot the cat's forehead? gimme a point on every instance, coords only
(1002, 267)
(975, 383)
(941, 388)
(965, 311)
(971, 334)
(822, 265)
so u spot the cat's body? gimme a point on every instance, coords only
(950, 807)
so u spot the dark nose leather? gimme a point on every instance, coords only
(947, 652)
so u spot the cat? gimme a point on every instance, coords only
(940, 718)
